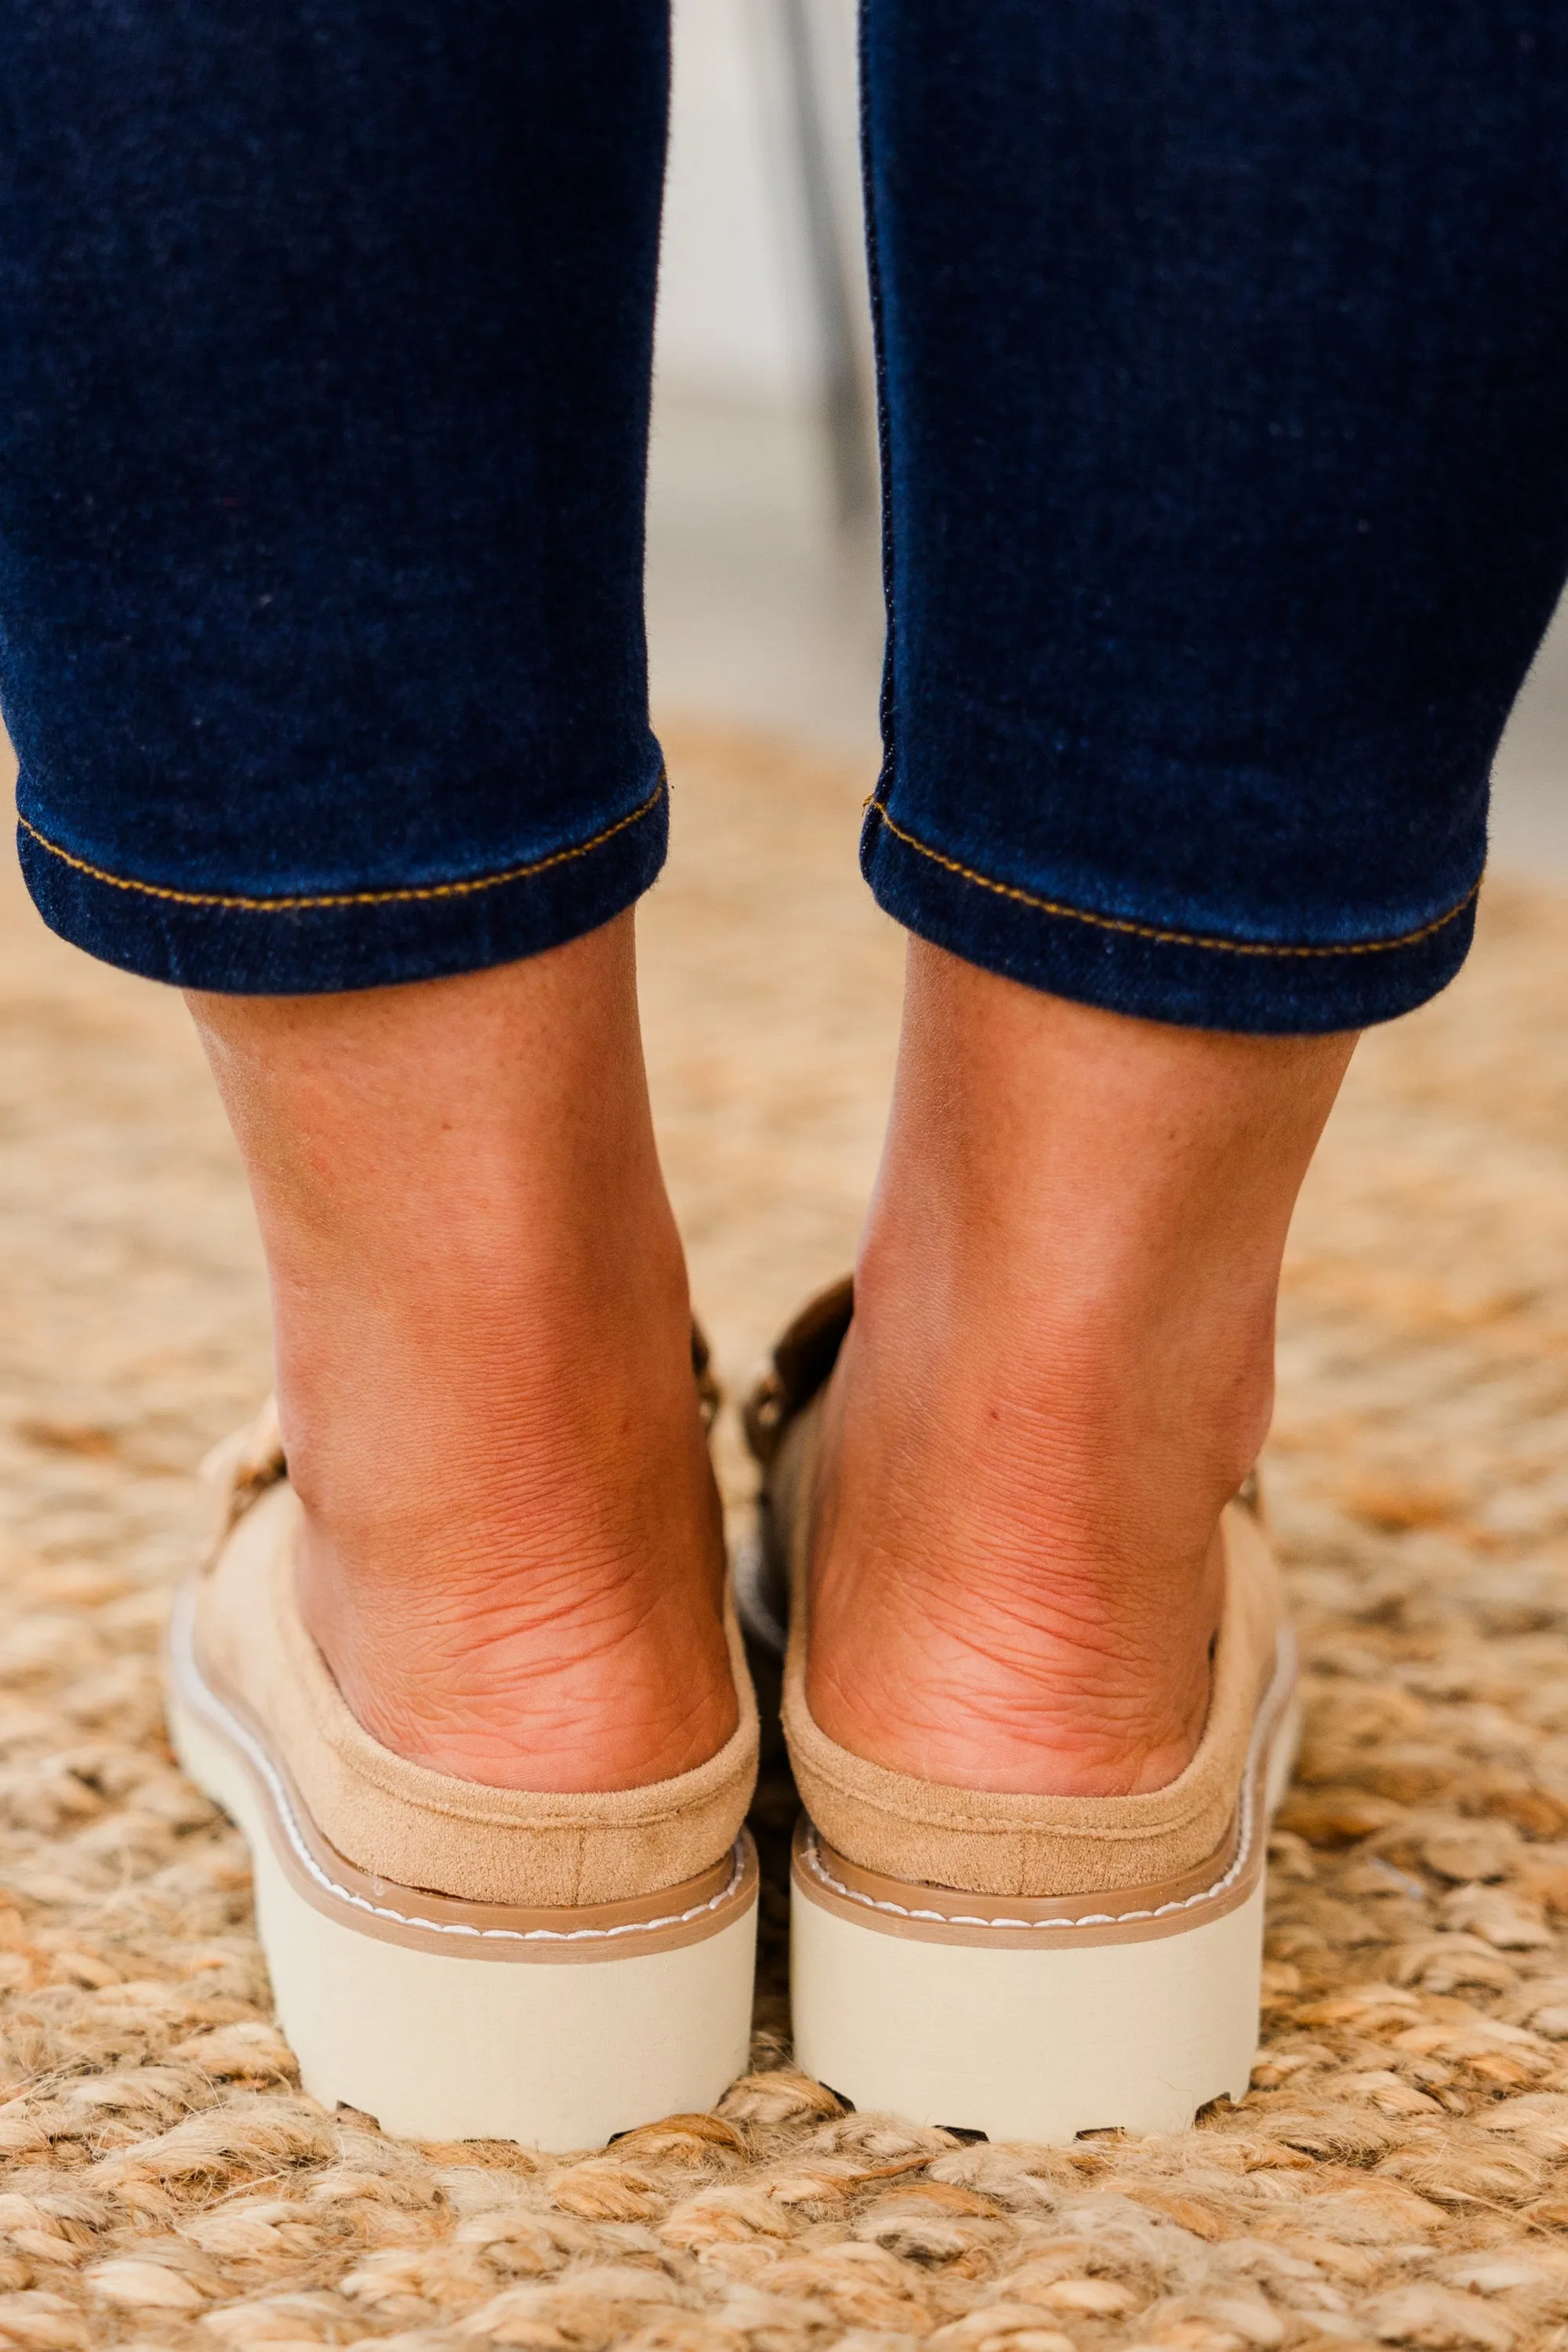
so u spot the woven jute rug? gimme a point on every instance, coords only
(1399, 2174)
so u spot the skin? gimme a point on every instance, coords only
(1060, 1368)
(512, 1552)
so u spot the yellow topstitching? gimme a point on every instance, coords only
(1152, 930)
(345, 897)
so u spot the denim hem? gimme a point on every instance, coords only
(311, 943)
(1194, 980)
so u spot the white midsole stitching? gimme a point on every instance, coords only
(200, 1694)
(1263, 1731)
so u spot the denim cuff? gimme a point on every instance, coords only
(309, 943)
(1155, 972)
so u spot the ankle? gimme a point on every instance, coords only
(512, 1551)
(563, 1662)
(1059, 1371)
(1007, 1591)
(512, 1556)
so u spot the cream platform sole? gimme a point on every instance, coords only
(1041, 2019)
(448, 2019)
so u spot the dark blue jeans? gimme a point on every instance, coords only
(1225, 417)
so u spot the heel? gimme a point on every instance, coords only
(448, 2019)
(981, 2028)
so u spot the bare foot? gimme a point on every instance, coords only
(513, 1557)
(1060, 1369)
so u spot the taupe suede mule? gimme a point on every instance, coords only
(1021, 1967)
(460, 1961)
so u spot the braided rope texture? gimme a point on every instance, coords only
(1399, 2173)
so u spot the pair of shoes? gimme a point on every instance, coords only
(464, 1961)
